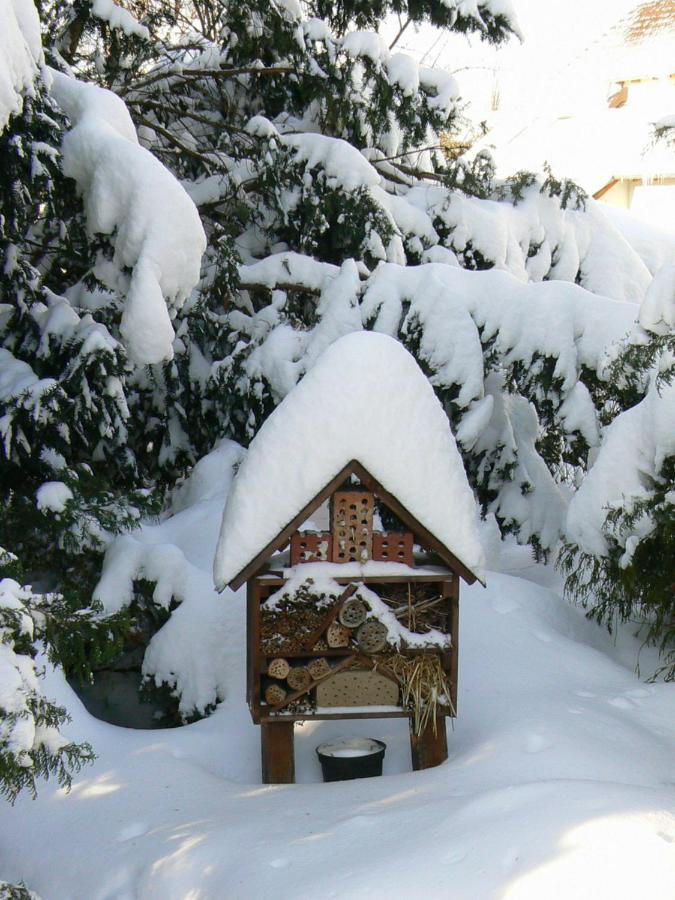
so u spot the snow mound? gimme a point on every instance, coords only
(365, 399)
(129, 194)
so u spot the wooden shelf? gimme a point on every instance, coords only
(307, 654)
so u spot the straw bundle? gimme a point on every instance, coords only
(424, 686)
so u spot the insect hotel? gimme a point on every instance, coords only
(352, 605)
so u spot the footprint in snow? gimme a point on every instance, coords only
(136, 829)
(638, 693)
(505, 605)
(620, 703)
(543, 636)
(535, 743)
(510, 858)
(456, 856)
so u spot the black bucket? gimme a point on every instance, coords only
(347, 758)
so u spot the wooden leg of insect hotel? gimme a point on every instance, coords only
(428, 749)
(278, 756)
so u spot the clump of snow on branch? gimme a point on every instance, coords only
(20, 55)
(364, 396)
(630, 460)
(129, 194)
(117, 17)
(52, 496)
(31, 743)
(657, 313)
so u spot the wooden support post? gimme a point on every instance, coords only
(278, 755)
(428, 749)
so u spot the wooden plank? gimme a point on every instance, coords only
(253, 661)
(304, 654)
(453, 596)
(316, 635)
(277, 752)
(428, 749)
(324, 717)
(278, 580)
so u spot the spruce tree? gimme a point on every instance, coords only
(313, 152)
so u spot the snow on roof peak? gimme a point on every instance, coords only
(365, 399)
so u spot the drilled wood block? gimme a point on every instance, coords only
(278, 668)
(308, 546)
(299, 678)
(337, 635)
(352, 526)
(318, 668)
(393, 546)
(274, 694)
(357, 687)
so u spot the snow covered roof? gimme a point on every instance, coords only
(622, 147)
(640, 44)
(365, 405)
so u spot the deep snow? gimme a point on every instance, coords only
(560, 781)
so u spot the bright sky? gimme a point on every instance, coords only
(553, 91)
(555, 31)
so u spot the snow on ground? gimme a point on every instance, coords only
(560, 780)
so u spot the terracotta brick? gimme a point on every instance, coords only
(309, 546)
(393, 546)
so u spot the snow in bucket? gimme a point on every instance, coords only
(348, 758)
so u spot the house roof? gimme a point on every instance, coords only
(365, 407)
(642, 43)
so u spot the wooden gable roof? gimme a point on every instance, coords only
(354, 467)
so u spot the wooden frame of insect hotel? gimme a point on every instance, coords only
(357, 621)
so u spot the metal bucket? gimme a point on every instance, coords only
(347, 758)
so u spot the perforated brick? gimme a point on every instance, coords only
(309, 546)
(352, 521)
(393, 546)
